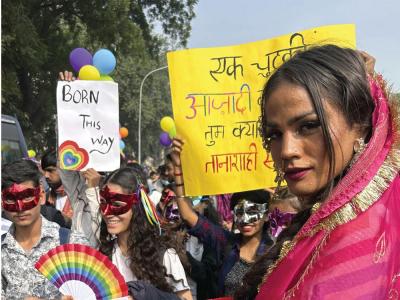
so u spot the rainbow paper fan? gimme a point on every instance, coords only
(82, 272)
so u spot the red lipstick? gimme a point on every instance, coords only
(296, 174)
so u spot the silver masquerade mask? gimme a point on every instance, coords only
(247, 212)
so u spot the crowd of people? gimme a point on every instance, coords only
(331, 231)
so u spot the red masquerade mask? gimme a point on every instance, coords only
(115, 203)
(18, 198)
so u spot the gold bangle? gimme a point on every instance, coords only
(180, 197)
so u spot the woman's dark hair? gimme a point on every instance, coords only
(49, 159)
(255, 196)
(140, 173)
(327, 73)
(146, 247)
(19, 171)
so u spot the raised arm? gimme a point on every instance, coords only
(210, 234)
(84, 218)
(93, 196)
(184, 204)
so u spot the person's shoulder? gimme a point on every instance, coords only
(170, 251)
(171, 257)
(6, 239)
(49, 228)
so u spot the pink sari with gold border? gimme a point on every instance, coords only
(350, 246)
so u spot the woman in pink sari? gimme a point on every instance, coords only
(334, 135)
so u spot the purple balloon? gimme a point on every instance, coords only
(165, 140)
(80, 57)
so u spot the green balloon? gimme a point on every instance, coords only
(172, 132)
(106, 78)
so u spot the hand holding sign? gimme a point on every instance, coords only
(66, 75)
(177, 146)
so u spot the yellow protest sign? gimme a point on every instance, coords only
(216, 94)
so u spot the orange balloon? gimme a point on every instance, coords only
(123, 132)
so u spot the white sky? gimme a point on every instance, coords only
(230, 22)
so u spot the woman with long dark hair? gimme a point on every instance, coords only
(130, 235)
(334, 135)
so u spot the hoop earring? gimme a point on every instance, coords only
(278, 179)
(358, 148)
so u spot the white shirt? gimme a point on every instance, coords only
(155, 196)
(177, 277)
(122, 264)
(5, 225)
(195, 247)
(60, 202)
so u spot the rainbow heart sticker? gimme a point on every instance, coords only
(72, 157)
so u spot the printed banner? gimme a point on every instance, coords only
(216, 94)
(88, 125)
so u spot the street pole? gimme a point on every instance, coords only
(140, 113)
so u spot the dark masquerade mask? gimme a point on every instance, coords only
(172, 213)
(279, 220)
(115, 203)
(18, 198)
(247, 212)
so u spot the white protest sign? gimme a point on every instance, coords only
(88, 125)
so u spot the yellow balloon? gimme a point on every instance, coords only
(89, 72)
(167, 124)
(31, 153)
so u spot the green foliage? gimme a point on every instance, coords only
(38, 35)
